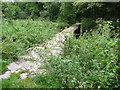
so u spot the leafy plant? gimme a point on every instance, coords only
(88, 62)
(19, 35)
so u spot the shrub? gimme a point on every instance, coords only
(44, 14)
(88, 63)
(88, 23)
(19, 35)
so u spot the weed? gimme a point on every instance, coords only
(19, 35)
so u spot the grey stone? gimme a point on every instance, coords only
(13, 66)
(5, 76)
(23, 75)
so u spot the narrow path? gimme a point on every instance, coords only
(35, 57)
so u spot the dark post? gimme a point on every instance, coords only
(78, 30)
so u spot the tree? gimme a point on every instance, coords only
(67, 12)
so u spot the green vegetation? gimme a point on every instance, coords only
(42, 81)
(15, 82)
(70, 12)
(92, 61)
(88, 62)
(19, 35)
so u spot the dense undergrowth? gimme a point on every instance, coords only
(88, 62)
(19, 35)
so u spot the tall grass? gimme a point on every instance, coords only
(19, 35)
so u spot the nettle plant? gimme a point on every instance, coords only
(88, 62)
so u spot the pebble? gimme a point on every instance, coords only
(8, 72)
(5, 76)
(13, 66)
(17, 71)
(23, 75)
(23, 68)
